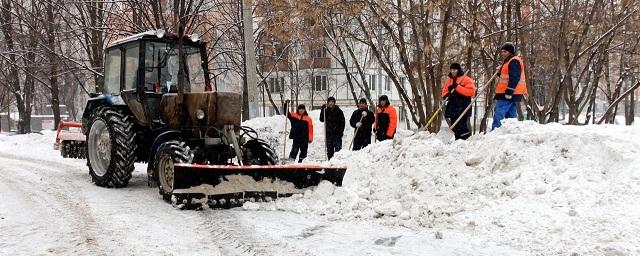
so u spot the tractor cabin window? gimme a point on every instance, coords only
(162, 68)
(112, 72)
(131, 59)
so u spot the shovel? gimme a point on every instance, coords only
(364, 113)
(446, 133)
(286, 122)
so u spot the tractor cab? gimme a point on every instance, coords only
(141, 68)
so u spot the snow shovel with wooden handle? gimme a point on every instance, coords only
(446, 133)
(364, 113)
(286, 123)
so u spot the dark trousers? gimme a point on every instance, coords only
(299, 145)
(361, 142)
(334, 144)
(383, 137)
(461, 130)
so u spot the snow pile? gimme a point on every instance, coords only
(548, 189)
(38, 144)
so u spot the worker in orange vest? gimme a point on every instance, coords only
(301, 131)
(458, 90)
(386, 119)
(511, 87)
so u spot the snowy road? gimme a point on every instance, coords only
(48, 206)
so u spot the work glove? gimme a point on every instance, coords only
(324, 106)
(364, 113)
(358, 124)
(285, 107)
(508, 96)
(452, 87)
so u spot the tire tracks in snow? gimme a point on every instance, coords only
(227, 231)
(235, 239)
(50, 196)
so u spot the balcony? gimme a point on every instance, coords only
(315, 63)
(268, 65)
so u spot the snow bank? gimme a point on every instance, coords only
(38, 144)
(548, 189)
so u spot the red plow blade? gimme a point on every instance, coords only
(223, 186)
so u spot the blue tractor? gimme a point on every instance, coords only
(158, 106)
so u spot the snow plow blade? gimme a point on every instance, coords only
(223, 186)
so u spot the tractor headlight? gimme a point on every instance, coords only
(194, 37)
(160, 33)
(200, 114)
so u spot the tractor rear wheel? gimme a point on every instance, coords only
(110, 148)
(169, 153)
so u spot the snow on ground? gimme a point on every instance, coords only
(546, 189)
(524, 189)
(48, 206)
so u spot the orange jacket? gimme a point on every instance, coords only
(503, 83)
(466, 86)
(393, 120)
(296, 127)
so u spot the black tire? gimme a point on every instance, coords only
(114, 129)
(169, 153)
(82, 149)
(64, 150)
(258, 152)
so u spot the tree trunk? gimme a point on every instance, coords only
(53, 63)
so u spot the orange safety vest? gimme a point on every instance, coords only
(503, 84)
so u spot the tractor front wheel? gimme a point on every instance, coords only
(169, 153)
(258, 152)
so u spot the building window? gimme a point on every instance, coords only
(319, 83)
(280, 50)
(372, 82)
(276, 84)
(383, 79)
(387, 85)
(319, 53)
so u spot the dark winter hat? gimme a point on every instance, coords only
(456, 66)
(383, 97)
(301, 106)
(363, 100)
(509, 47)
(331, 99)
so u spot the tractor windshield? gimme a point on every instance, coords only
(161, 68)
